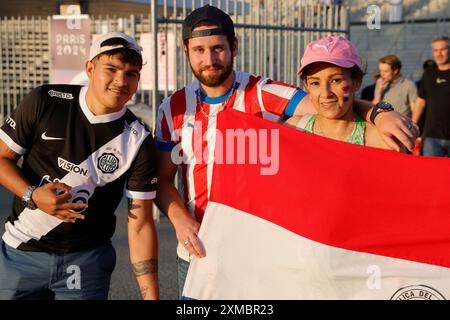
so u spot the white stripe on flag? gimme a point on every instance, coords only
(250, 258)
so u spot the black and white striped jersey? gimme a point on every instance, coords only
(63, 141)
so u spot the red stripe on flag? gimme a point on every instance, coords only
(343, 195)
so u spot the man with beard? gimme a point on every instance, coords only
(183, 118)
(434, 94)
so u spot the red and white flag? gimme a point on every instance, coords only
(336, 220)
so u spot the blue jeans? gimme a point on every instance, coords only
(436, 147)
(31, 275)
(183, 267)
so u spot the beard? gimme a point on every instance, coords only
(214, 80)
(442, 61)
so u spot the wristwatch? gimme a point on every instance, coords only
(381, 106)
(26, 198)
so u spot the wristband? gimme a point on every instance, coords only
(378, 108)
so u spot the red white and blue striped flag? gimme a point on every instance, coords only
(335, 221)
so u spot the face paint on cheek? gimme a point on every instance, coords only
(346, 94)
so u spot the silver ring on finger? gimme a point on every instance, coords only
(186, 242)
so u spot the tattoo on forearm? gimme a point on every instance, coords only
(11, 154)
(145, 267)
(130, 204)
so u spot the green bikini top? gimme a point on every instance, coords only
(357, 136)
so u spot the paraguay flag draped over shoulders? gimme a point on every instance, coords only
(314, 218)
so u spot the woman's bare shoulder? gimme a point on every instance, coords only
(292, 121)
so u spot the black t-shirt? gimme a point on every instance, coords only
(61, 140)
(435, 89)
(421, 122)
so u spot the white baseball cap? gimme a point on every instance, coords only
(99, 47)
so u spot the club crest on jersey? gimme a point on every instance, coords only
(107, 163)
(62, 95)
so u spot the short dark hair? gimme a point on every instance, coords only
(127, 55)
(393, 61)
(442, 38)
(355, 72)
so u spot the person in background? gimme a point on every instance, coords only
(368, 92)
(393, 88)
(434, 96)
(427, 64)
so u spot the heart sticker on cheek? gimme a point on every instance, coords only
(346, 95)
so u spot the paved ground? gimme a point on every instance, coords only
(123, 284)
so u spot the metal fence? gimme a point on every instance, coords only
(25, 59)
(272, 35)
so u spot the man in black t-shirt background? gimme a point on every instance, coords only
(425, 66)
(81, 146)
(434, 98)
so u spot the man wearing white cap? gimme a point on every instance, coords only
(80, 147)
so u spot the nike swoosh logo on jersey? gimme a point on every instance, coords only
(439, 80)
(45, 137)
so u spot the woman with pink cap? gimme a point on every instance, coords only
(331, 72)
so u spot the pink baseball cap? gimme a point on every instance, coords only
(335, 50)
